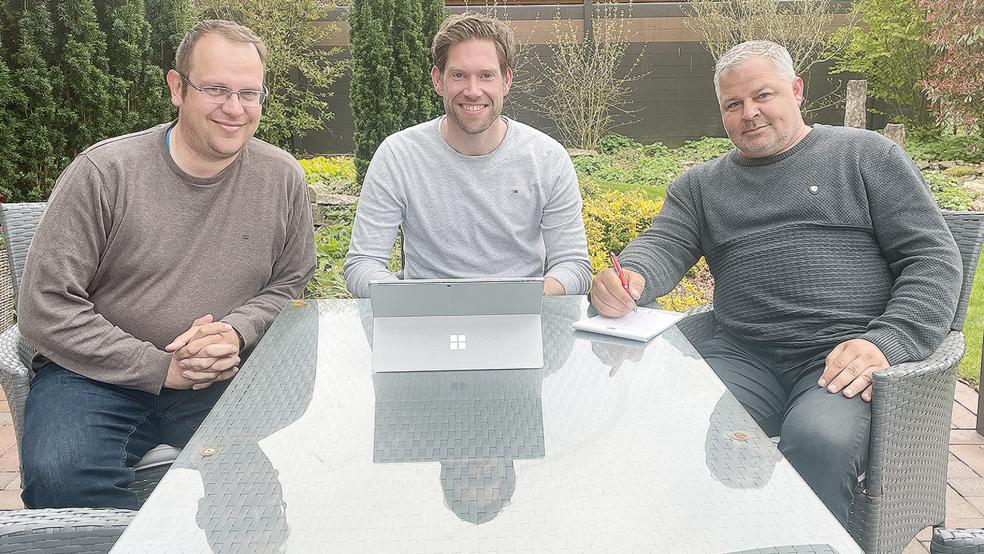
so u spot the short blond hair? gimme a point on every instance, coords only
(229, 30)
(469, 25)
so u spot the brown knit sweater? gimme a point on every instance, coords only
(131, 250)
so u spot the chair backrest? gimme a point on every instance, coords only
(20, 221)
(968, 230)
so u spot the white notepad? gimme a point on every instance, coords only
(642, 324)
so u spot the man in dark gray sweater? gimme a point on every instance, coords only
(831, 261)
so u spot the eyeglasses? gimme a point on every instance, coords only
(215, 94)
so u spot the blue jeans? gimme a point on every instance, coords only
(82, 437)
(823, 435)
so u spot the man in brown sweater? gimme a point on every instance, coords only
(162, 257)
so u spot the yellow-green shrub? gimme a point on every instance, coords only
(325, 170)
(613, 218)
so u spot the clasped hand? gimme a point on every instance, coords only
(206, 353)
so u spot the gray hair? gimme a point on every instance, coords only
(752, 49)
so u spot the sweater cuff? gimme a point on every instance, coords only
(243, 327)
(153, 364)
(568, 279)
(889, 343)
(648, 291)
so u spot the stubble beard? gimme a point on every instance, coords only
(452, 111)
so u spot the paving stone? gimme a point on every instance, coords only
(925, 535)
(959, 509)
(972, 455)
(10, 500)
(963, 418)
(6, 477)
(965, 436)
(973, 486)
(959, 470)
(9, 461)
(14, 485)
(977, 502)
(960, 523)
(915, 547)
(966, 396)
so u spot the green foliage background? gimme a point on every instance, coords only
(889, 51)
(391, 87)
(298, 71)
(73, 72)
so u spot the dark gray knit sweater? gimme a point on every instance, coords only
(836, 238)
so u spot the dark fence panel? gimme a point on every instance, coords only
(673, 102)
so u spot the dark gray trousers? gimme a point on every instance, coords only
(823, 435)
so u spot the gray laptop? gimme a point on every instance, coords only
(442, 324)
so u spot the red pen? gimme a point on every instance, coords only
(618, 270)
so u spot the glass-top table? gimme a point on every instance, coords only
(614, 445)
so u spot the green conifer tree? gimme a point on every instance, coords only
(140, 81)
(370, 89)
(434, 14)
(89, 100)
(39, 154)
(391, 85)
(8, 136)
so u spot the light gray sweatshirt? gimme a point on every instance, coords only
(515, 212)
(132, 249)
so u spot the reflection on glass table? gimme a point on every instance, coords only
(609, 447)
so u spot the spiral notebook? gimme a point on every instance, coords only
(642, 324)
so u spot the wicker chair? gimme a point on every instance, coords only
(904, 488)
(62, 530)
(957, 541)
(20, 221)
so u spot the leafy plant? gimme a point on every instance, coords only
(299, 71)
(322, 169)
(889, 51)
(613, 142)
(579, 84)
(391, 87)
(948, 193)
(331, 244)
(934, 146)
(955, 83)
(702, 150)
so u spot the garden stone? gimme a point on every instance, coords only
(974, 185)
(947, 164)
(923, 165)
(896, 133)
(856, 111)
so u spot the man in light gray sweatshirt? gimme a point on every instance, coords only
(476, 194)
(831, 261)
(162, 258)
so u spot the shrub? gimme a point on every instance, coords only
(948, 193)
(614, 142)
(612, 219)
(299, 71)
(706, 148)
(935, 147)
(325, 170)
(889, 51)
(331, 244)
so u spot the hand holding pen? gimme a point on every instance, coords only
(614, 292)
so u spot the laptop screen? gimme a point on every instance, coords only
(456, 297)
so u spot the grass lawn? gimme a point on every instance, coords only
(970, 366)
